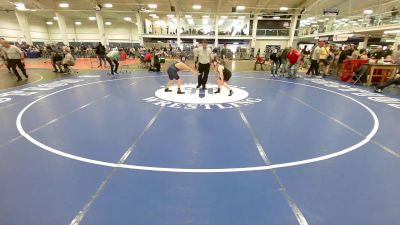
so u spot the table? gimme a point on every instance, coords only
(33, 54)
(387, 70)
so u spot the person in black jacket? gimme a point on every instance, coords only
(155, 61)
(275, 62)
(101, 54)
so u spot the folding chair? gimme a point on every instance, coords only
(362, 71)
(124, 67)
(357, 78)
(94, 61)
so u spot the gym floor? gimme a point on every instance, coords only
(92, 149)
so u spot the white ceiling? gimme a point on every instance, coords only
(85, 8)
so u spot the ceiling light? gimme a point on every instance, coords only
(315, 25)
(188, 16)
(206, 16)
(152, 15)
(283, 8)
(391, 31)
(197, 7)
(311, 18)
(313, 22)
(259, 17)
(170, 16)
(327, 19)
(368, 11)
(108, 23)
(240, 7)
(352, 21)
(108, 5)
(156, 17)
(345, 19)
(127, 19)
(360, 20)
(78, 23)
(321, 20)
(20, 6)
(152, 6)
(63, 5)
(224, 17)
(49, 23)
(276, 17)
(55, 18)
(241, 17)
(92, 18)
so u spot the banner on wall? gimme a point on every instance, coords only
(340, 37)
(323, 38)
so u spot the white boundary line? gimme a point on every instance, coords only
(185, 170)
(293, 206)
(36, 81)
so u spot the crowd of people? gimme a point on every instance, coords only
(321, 60)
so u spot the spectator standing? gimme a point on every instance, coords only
(101, 54)
(15, 57)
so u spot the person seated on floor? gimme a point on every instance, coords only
(57, 58)
(396, 81)
(68, 60)
(260, 60)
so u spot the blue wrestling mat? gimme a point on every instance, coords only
(95, 150)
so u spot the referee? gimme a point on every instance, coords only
(203, 57)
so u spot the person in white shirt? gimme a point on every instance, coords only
(203, 57)
(68, 60)
(4, 57)
(315, 58)
(15, 57)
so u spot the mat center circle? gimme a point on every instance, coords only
(195, 95)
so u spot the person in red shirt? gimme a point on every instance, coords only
(147, 59)
(293, 60)
(259, 60)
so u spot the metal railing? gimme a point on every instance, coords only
(352, 23)
(272, 32)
